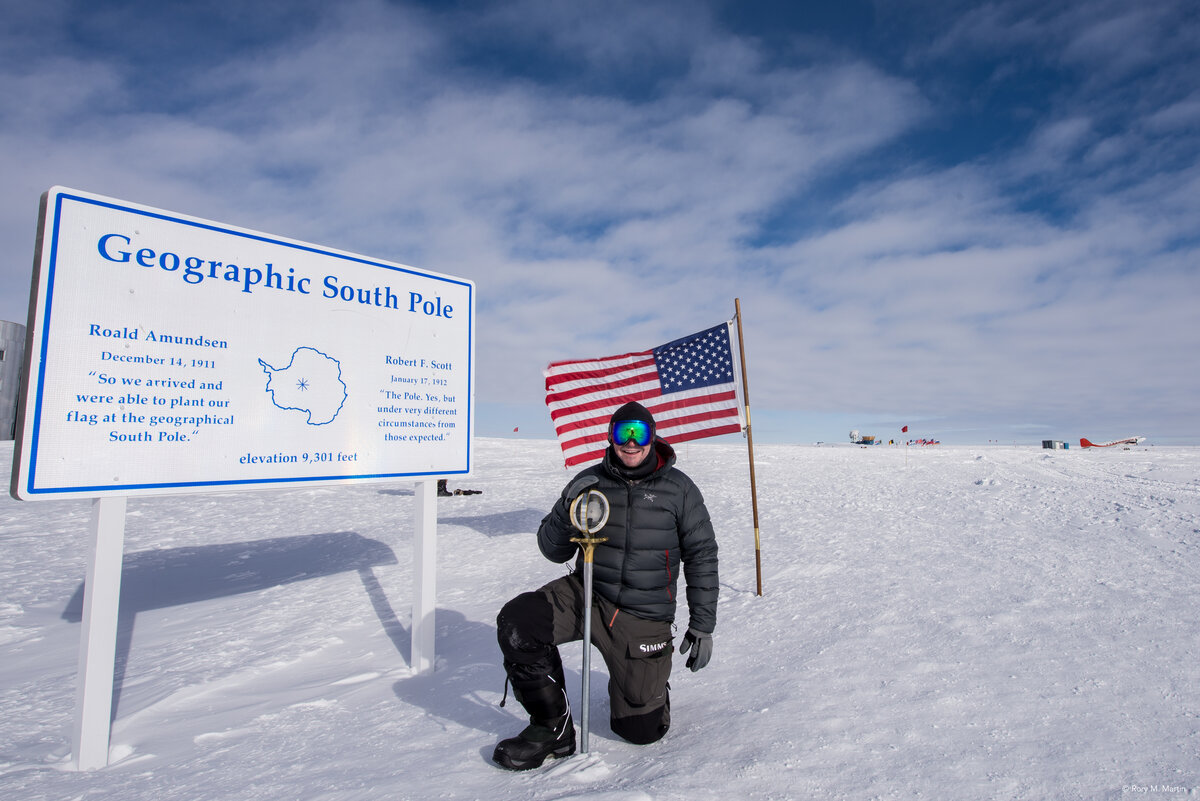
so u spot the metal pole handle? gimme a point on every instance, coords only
(589, 514)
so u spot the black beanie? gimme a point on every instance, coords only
(632, 411)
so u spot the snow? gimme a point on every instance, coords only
(947, 622)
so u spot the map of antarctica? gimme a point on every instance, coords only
(311, 383)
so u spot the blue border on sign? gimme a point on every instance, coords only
(113, 489)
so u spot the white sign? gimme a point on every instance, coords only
(172, 354)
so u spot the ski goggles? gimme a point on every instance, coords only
(639, 431)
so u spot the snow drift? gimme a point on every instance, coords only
(992, 622)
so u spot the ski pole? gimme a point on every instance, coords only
(589, 514)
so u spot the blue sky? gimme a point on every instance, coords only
(976, 219)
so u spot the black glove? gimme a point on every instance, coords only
(703, 651)
(580, 486)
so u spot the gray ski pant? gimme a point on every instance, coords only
(636, 651)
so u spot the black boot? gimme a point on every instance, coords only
(550, 733)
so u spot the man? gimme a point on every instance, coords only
(657, 520)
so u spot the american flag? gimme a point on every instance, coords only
(689, 385)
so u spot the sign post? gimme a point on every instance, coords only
(169, 354)
(98, 639)
(424, 577)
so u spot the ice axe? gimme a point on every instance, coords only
(589, 513)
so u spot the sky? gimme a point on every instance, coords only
(975, 219)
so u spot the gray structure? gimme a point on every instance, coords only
(12, 357)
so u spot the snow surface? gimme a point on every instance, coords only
(945, 623)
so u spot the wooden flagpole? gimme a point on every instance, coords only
(737, 305)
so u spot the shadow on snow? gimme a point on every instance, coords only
(158, 579)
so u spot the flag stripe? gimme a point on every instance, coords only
(603, 402)
(663, 411)
(689, 385)
(594, 451)
(729, 428)
(608, 388)
(560, 372)
(653, 400)
(668, 428)
(566, 387)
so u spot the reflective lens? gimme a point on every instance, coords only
(636, 430)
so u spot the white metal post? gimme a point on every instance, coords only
(424, 576)
(98, 637)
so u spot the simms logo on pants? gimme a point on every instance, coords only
(649, 648)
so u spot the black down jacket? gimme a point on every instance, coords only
(654, 524)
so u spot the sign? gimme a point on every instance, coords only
(172, 354)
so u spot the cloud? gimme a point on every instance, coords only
(612, 175)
